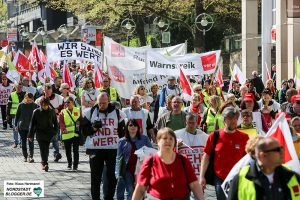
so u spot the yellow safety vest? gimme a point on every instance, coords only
(251, 132)
(80, 92)
(246, 188)
(112, 93)
(14, 103)
(211, 121)
(70, 126)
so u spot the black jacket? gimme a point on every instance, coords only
(281, 178)
(23, 115)
(43, 124)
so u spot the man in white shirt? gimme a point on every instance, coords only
(191, 141)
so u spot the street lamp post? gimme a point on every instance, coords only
(24, 35)
(128, 26)
(162, 26)
(204, 23)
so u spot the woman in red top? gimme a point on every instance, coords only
(166, 174)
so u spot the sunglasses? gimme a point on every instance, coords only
(276, 149)
(66, 88)
(67, 102)
(131, 125)
(89, 82)
(142, 88)
(297, 102)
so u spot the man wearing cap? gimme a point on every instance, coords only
(171, 88)
(27, 87)
(246, 126)
(112, 92)
(249, 103)
(14, 99)
(294, 109)
(285, 106)
(229, 149)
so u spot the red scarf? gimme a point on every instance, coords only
(196, 110)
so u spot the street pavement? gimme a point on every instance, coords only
(59, 183)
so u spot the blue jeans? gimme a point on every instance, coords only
(55, 145)
(127, 183)
(219, 190)
(15, 133)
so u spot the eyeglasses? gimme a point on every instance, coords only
(276, 149)
(131, 125)
(177, 102)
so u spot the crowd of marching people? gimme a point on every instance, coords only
(196, 141)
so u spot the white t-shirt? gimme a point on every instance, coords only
(196, 145)
(4, 93)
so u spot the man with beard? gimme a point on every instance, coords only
(229, 149)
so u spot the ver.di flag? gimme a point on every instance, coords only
(185, 85)
(238, 75)
(281, 131)
(67, 76)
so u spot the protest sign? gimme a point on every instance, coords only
(73, 51)
(125, 81)
(191, 64)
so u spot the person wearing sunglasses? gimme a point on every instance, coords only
(69, 121)
(5, 89)
(145, 100)
(65, 92)
(266, 178)
(111, 91)
(126, 159)
(89, 95)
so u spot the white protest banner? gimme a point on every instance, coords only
(73, 51)
(134, 57)
(191, 64)
(125, 81)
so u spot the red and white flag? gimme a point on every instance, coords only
(67, 76)
(36, 62)
(219, 77)
(50, 72)
(268, 76)
(43, 57)
(281, 131)
(185, 85)
(22, 65)
(238, 75)
(98, 76)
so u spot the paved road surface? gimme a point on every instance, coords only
(59, 182)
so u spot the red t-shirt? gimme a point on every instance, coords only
(167, 180)
(230, 148)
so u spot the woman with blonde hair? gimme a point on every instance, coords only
(89, 95)
(270, 85)
(145, 100)
(167, 174)
(22, 122)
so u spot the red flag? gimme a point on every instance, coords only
(43, 57)
(36, 62)
(22, 65)
(219, 77)
(98, 76)
(67, 76)
(268, 76)
(185, 85)
(281, 131)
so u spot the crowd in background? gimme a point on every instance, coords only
(211, 127)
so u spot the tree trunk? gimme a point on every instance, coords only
(140, 29)
(198, 35)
